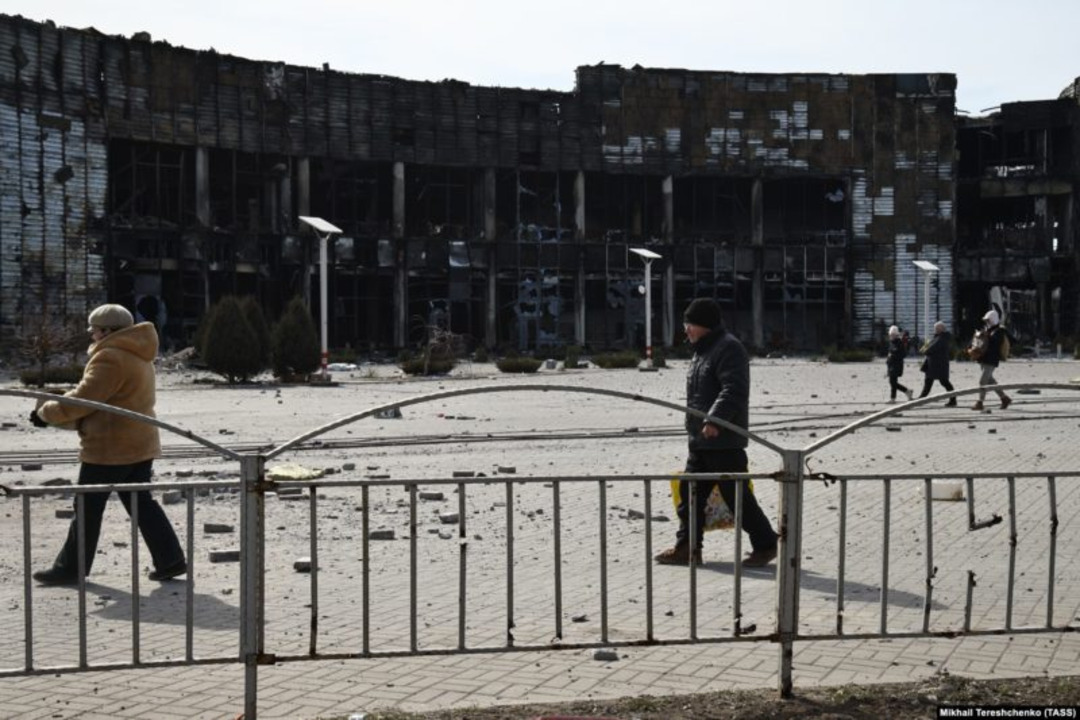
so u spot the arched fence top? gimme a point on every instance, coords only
(79, 402)
(486, 389)
(520, 387)
(903, 407)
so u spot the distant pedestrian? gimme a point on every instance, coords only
(114, 449)
(717, 383)
(988, 353)
(936, 363)
(894, 364)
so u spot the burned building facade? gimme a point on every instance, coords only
(1016, 232)
(164, 178)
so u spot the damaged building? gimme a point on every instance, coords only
(1016, 206)
(164, 178)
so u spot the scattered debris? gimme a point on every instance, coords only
(291, 471)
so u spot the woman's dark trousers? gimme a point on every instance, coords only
(154, 525)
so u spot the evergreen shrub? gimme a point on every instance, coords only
(230, 345)
(518, 364)
(296, 347)
(617, 360)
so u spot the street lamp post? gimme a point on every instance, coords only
(927, 269)
(323, 230)
(647, 256)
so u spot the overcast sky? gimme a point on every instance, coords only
(1001, 51)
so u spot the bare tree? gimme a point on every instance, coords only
(42, 341)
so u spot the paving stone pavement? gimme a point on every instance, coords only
(795, 402)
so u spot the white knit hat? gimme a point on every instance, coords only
(991, 318)
(110, 317)
(894, 331)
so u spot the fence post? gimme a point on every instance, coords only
(789, 561)
(252, 521)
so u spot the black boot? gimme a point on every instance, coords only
(56, 576)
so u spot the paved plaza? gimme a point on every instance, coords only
(501, 438)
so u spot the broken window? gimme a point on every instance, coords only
(630, 208)
(355, 196)
(712, 208)
(442, 202)
(151, 185)
(799, 211)
(535, 206)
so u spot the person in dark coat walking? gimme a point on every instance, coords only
(894, 364)
(936, 364)
(717, 383)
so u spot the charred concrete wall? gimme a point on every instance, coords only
(164, 177)
(1016, 239)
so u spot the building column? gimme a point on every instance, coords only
(668, 320)
(287, 218)
(579, 302)
(202, 214)
(579, 280)
(401, 275)
(491, 315)
(757, 239)
(202, 187)
(303, 201)
(303, 186)
(579, 205)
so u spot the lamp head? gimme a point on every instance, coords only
(319, 225)
(645, 254)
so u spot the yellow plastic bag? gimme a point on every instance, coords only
(718, 516)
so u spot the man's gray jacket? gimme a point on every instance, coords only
(718, 383)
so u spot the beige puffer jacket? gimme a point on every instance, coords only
(120, 372)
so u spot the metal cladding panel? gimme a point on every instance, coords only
(228, 113)
(49, 69)
(910, 284)
(888, 288)
(10, 51)
(359, 117)
(337, 121)
(52, 178)
(10, 221)
(114, 60)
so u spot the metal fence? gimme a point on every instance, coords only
(459, 627)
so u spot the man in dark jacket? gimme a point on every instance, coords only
(717, 383)
(936, 364)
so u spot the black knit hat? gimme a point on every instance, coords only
(704, 312)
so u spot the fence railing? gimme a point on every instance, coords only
(463, 624)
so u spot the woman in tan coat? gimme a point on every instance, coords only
(114, 449)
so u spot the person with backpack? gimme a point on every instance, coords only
(994, 349)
